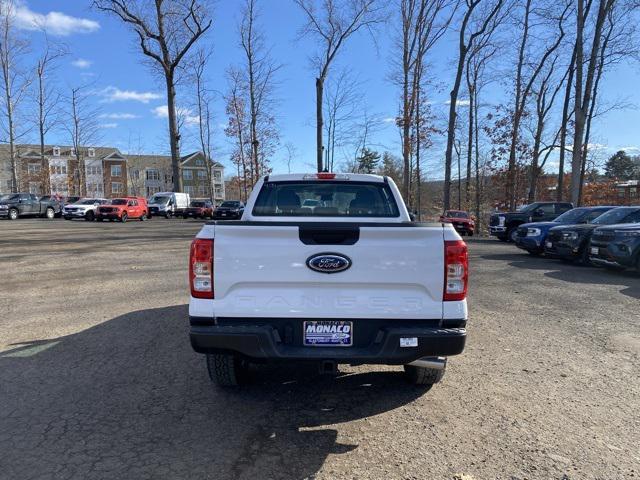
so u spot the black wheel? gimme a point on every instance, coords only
(422, 375)
(534, 254)
(226, 370)
(166, 215)
(13, 214)
(503, 239)
(49, 214)
(470, 234)
(143, 217)
(67, 218)
(100, 219)
(512, 235)
(90, 216)
(584, 257)
(124, 217)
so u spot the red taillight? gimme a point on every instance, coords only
(325, 176)
(456, 270)
(201, 268)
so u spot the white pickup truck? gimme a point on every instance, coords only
(345, 278)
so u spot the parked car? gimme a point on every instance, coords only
(168, 204)
(504, 226)
(230, 210)
(461, 221)
(571, 242)
(292, 285)
(84, 208)
(199, 209)
(123, 209)
(532, 236)
(17, 205)
(616, 246)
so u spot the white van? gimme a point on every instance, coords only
(168, 204)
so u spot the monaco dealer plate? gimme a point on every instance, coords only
(327, 333)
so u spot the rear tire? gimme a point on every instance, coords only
(13, 214)
(90, 216)
(143, 217)
(123, 219)
(422, 375)
(49, 213)
(512, 235)
(226, 370)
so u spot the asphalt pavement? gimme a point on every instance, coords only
(98, 380)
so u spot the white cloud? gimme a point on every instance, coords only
(109, 125)
(81, 63)
(114, 94)
(630, 149)
(463, 102)
(185, 113)
(119, 116)
(389, 120)
(54, 23)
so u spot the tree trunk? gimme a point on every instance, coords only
(174, 134)
(563, 128)
(467, 183)
(319, 121)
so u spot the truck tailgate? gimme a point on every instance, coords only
(260, 270)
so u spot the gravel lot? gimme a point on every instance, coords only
(98, 380)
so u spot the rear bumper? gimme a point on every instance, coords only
(377, 345)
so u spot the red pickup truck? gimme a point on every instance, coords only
(461, 220)
(123, 209)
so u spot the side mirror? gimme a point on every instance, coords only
(412, 216)
(538, 213)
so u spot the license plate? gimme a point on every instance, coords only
(328, 334)
(549, 244)
(595, 250)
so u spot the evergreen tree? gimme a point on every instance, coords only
(620, 166)
(368, 161)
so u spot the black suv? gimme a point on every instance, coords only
(616, 246)
(571, 242)
(231, 209)
(505, 225)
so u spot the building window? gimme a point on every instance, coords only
(116, 187)
(135, 174)
(116, 171)
(35, 188)
(92, 152)
(217, 174)
(58, 169)
(203, 191)
(202, 174)
(153, 174)
(152, 190)
(56, 151)
(33, 168)
(199, 162)
(187, 175)
(189, 189)
(94, 170)
(94, 189)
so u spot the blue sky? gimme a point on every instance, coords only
(130, 98)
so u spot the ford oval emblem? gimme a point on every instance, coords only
(328, 262)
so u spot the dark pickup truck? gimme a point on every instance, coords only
(505, 225)
(616, 246)
(13, 206)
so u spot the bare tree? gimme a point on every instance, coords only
(203, 107)
(166, 30)
(489, 19)
(423, 23)
(47, 97)
(584, 87)
(332, 25)
(15, 82)
(342, 103)
(260, 71)
(238, 129)
(524, 85)
(83, 128)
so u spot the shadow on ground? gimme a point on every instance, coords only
(573, 273)
(129, 399)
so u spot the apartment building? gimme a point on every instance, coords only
(106, 172)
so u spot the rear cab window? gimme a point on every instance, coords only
(325, 198)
